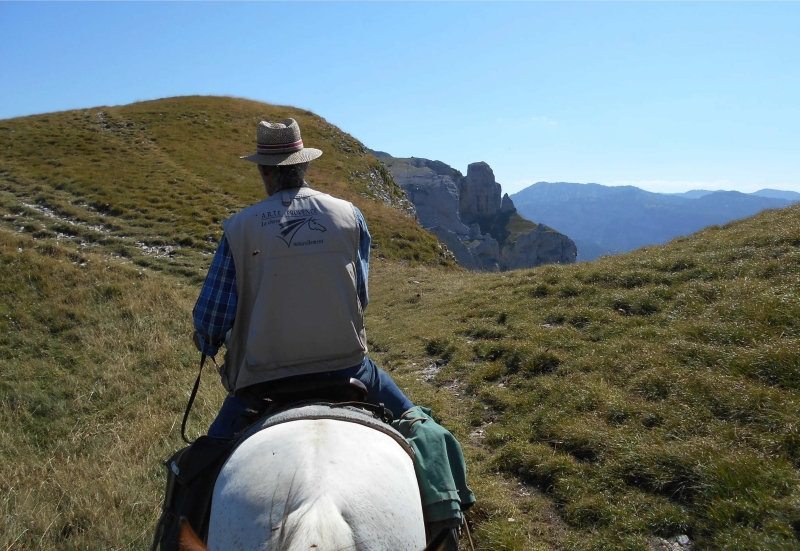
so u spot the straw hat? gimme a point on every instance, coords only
(279, 143)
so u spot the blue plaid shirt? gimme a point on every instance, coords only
(215, 310)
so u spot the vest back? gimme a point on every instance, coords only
(298, 310)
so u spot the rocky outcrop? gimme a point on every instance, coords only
(381, 186)
(432, 187)
(486, 251)
(480, 194)
(455, 245)
(507, 205)
(472, 219)
(541, 246)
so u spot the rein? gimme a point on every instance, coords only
(192, 397)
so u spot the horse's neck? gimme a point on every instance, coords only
(323, 485)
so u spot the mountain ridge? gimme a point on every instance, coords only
(167, 172)
(609, 219)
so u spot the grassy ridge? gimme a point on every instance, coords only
(599, 404)
(163, 174)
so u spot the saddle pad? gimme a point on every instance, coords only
(326, 411)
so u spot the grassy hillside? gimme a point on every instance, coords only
(152, 181)
(652, 394)
(95, 373)
(600, 405)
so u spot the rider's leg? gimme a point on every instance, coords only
(381, 389)
(235, 414)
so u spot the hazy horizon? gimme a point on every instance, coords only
(640, 186)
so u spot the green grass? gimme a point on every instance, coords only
(650, 394)
(599, 404)
(95, 373)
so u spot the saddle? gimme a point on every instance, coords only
(192, 471)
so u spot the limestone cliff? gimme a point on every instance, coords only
(479, 193)
(432, 187)
(469, 215)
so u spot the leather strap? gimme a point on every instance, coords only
(466, 528)
(191, 400)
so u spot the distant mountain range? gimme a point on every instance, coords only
(792, 196)
(610, 220)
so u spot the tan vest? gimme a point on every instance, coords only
(298, 310)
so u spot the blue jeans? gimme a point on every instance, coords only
(380, 389)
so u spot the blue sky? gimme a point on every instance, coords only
(666, 96)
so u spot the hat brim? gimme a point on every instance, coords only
(303, 156)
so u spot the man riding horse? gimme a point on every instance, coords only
(286, 292)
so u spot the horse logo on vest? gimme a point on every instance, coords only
(289, 228)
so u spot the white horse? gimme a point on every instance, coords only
(317, 485)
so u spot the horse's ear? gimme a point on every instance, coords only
(437, 543)
(188, 540)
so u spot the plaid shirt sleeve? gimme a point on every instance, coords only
(362, 266)
(215, 309)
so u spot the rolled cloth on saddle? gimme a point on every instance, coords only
(439, 464)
